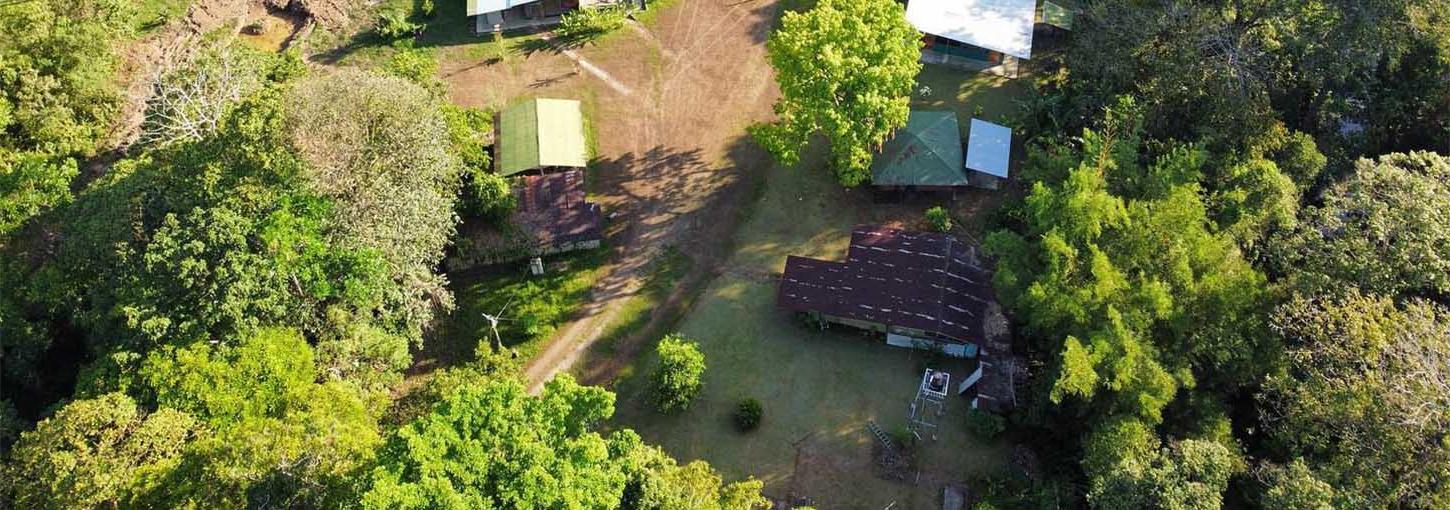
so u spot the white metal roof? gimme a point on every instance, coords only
(998, 25)
(989, 148)
(479, 7)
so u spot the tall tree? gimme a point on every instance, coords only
(1382, 229)
(846, 70)
(98, 453)
(1365, 399)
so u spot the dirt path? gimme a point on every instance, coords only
(669, 104)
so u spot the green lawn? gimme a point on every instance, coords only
(819, 389)
(990, 98)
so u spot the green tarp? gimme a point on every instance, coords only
(927, 152)
(540, 133)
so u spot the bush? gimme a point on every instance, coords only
(938, 219)
(489, 196)
(748, 413)
(984, 425)
(395, 25)
(585, 24)
(903, 438)
(677, 380)
(417, 65)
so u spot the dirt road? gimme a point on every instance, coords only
(669, 103)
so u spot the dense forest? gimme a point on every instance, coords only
(1229, 261)
(219, 318)
(1229, 264)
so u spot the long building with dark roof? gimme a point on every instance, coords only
(915, 287)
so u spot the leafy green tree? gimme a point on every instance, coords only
(272, 421)
(493, 446)
(57, 64)
(1382, 229)
(1295, 487)
(57, 96)
(846, 70)
(417, 65)
(677, 379)
(1365, 399)
(98, 453)
(1189, 474)
(656, 482)
(31, 182)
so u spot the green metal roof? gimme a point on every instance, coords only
(541, 133)
(926, 152)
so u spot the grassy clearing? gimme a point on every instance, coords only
(536, 305)
(970, 94)
(819, 389)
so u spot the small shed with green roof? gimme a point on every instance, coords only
(926, 153)
(540, 134)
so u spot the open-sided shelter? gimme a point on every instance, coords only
(989, 153)
(540, 134)
(919, 289)
(926, 154)
(985, 32)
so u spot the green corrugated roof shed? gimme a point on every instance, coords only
(926, 152)
(541, 133)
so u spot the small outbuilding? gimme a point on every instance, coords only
(989, 154)
(925, 154)
(540, 135)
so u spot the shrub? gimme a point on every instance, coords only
(903, 438)
(677, 380)
(417, 65)
(748, 413)
(489, 196)
(585, 24)
(938, 219)
(395, 25)
(984, 425)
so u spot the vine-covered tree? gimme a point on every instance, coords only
(846, 70)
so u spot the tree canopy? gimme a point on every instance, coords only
(846, 69)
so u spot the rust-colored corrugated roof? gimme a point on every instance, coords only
(553, 208)
(926, 281)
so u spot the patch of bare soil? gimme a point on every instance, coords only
(146, 58)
